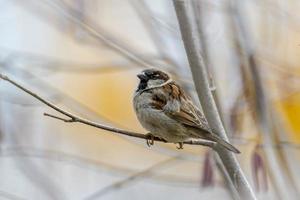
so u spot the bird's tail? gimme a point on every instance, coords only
(223, 143)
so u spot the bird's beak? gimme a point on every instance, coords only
(142, 77)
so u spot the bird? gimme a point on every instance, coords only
(165, 110)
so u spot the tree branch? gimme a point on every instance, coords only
(76, 119)
(197, 66)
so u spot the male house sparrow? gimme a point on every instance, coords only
(163, 108)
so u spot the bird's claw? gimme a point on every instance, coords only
(150, 140)
(180, 145)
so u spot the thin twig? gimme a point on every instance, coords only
(73, 119)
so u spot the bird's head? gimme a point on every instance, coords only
(151, 78)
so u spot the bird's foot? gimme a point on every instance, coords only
(150, 140)
(180, 145)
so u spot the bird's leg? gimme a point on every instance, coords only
(150, 140)
(180, 145)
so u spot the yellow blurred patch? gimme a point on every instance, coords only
(108, 94)
(291, 109)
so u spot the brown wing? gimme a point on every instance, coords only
(186, 113)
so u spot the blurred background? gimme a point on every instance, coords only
(83, 55)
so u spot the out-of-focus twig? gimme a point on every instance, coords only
(10, 196)
(46, 63)
(131, 178)
(91, 164)
(40, 178)
(146, 16)
(97, 32)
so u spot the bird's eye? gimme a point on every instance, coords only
(154, 76)
(149, 73)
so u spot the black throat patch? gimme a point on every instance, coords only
(142, 85)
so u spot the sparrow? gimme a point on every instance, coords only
(163, 108)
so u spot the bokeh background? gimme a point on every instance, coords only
(83, 55)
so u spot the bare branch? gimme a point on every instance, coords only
(73, 118)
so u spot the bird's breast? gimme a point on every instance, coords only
(156, 121)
